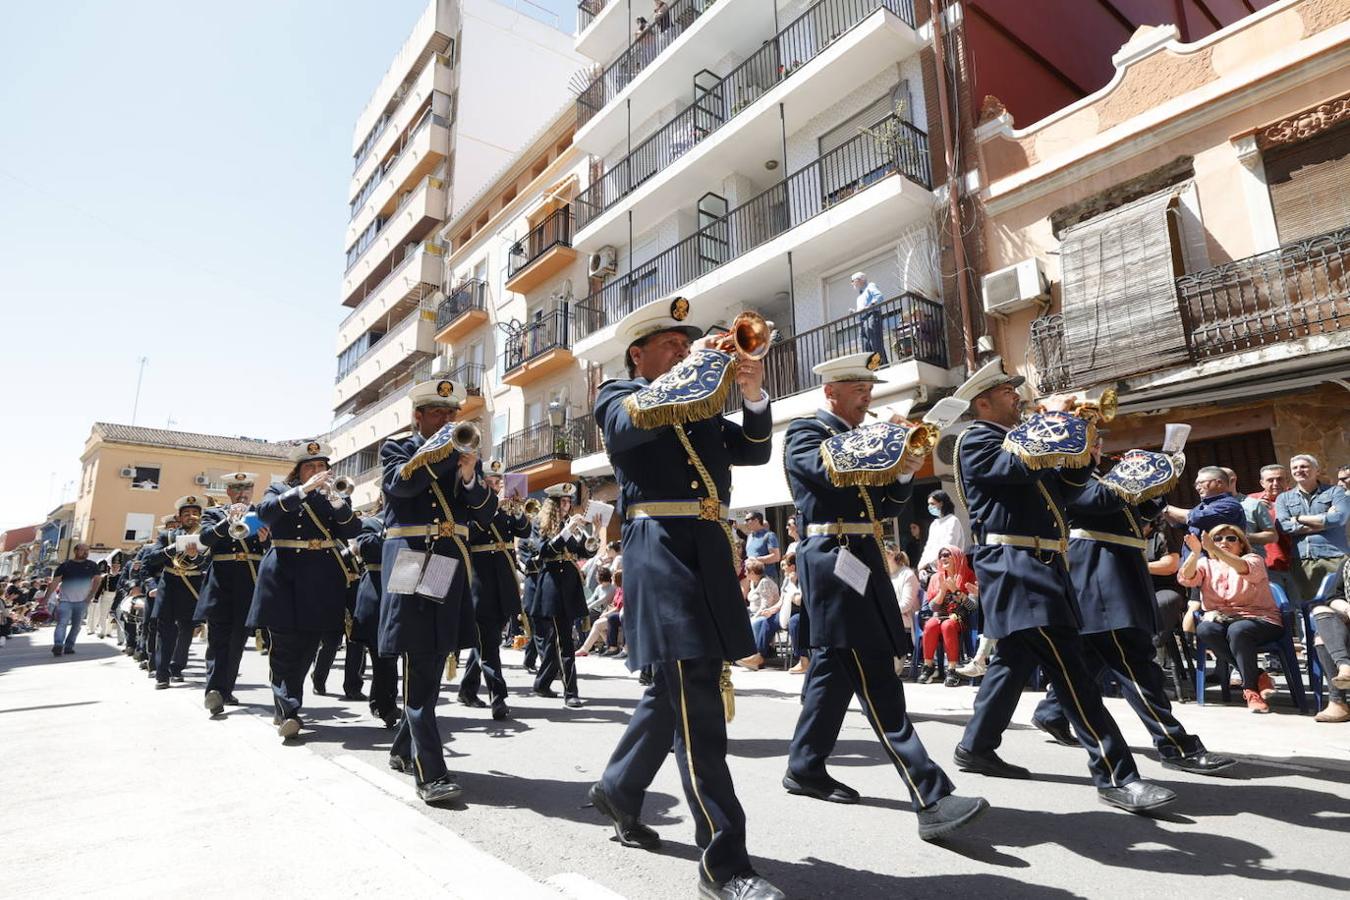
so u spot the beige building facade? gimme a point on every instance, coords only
(131, 476)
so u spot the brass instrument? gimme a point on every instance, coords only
(179, 556)
(527, 506)
(237, 529)
(1099, 408)
(465, 437)
(343, 486)
(750, 336)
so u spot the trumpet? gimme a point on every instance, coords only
(1101, 408)
(922, 438)
(343, 486)
(750, 336)
(527, 506)
(465, 437)
(237, 529)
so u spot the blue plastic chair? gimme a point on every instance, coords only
(1315, 674)
(1283, 646)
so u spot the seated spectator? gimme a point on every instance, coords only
(906, 584)
(1331, 621)
(1163, 553)
(951, 600)
(946, 531)
(603, 593)
(790, 612)
(1239, 610)
(764, 600)
(607, 617)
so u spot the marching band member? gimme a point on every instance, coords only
(559, 598)
(496, 595)
(354, 658)
(182, 563)
(228, 590)
(302, 578)
(366, 619)
(528, 562)
(1019, 544)
(152, 565)
(856, 631)
(427, 508)
(672, 452)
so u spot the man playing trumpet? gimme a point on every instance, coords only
(182, 561)
(559, 597)
(237, 547)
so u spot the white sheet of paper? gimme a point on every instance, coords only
(602, 509)
(436, 577)
(516, 484)
(851, 570)
(406, 573)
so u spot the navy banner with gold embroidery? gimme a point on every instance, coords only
(438, 447)
(695, 389)
(1050, 439)
(1143, 474)
(871, 454)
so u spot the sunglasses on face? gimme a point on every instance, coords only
(944, 555)
(1229, 537)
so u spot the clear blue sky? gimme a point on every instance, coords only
(173, 184)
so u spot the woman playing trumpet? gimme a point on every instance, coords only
(559, 599)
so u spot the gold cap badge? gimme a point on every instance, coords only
(679, 309)
(445, 388)
(874, 362)
(312, 447)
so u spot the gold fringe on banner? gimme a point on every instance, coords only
(1036, 454)
(680, 396)
(860, 477)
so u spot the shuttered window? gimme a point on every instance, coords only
(1310, 185)
(1119, 295)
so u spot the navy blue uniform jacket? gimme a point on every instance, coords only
(179, 589)
(558, 589)
(682, 599)
(370, 547)
(496, 586)
(228, 590)
(838, 616)
(409, 623)
(1019, 588)
(301, 590)
(1111, 581)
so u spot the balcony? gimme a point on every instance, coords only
(432, 79)
(587, 10)
(542, 253)
(470, 376)
(539, 347)
(462, 311)
(410, 280)
(603, 26)
(653, 71)
(426, 146)
(407, 343)
(381, 417)
(822, 212)
(819, 57)
(413, 220)
(545, 452)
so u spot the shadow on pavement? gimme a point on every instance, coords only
(556, 799)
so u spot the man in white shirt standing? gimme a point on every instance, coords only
(869, 296)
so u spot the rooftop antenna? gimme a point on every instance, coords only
(136, 404)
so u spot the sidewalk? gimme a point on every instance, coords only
(229, 808)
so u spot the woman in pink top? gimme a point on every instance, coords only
(1240, 612)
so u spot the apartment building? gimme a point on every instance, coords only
(470, 87)
(753, 154)
(1182, 233)
(130, 476)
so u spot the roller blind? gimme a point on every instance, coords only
(1308, 185)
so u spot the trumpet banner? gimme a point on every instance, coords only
(437, 448)
(871, 454)
(1142, 475)
(1048, 440)
(695, 389)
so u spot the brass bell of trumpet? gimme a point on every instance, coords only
(1101, 407)
(343, 486)
(465, 437)
(750, 335)
(238, 529)
(531, 507)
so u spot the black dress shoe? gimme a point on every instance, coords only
(574, 703)
(356, 696)
(629, 831)
(400, 763)
(822, 787)
(1058, 731)
(1202, 763)
(550, 693)
(442, 790)
(748, 885)
(57, 651)
(472, 702)
(501, 712)
(390, 717)
(161, 685)
(948, 814)
(232, 700)
(320, 688)
(531, 669)
(215, 703)
(1137, 796)
(987, 764)
(179, 679)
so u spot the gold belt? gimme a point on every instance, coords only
(430, 530)
(1107, 537)
(706, 509)
(236, 557)
(1050, 545)
(184, 573)
(499, 547)
(314, 544)
(839, 528)
(565, 557)
(373, 568)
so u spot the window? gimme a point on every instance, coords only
(139, 527)
(145, 478)
(1307, 185)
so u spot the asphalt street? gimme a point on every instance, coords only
(101, 770)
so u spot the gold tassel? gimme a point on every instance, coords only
(861, 477)
(728, 692)
(1133, 498)
(679, 413)
(527, 631)
(451, 666)
(428, 458)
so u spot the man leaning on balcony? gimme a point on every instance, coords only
(873, 321)
(672, 452)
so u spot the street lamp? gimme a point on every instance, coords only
(557, 415)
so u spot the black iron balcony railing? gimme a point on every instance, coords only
(554, 231)
(467, 295)
(800, 42)
(912, 328)
(661, 32)
(893, 145)
(1295, 291)
(470, 375)
(587, 10)
(538, 336)
(538, 443)
(1047, 352)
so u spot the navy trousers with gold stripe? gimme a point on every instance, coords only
(835, 676)
(353, 663)
(224, 651)
(418, 737)
(1059, 652)
(683, 706)
(557, 654)
(485, 664)
(288, 662)
(1129, 654)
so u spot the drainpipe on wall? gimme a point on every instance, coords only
(937, 9)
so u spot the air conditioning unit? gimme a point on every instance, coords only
(201, 480)
(1017, 287)
(127, 472)
(604, 263)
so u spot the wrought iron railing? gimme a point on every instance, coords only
(554, 231)
(538, 336)
(1047, 352)
(660, 33)
(428, 246)
(346, 367)
(543, 441)
(893, 145)
(587, 10)
(1295, 291)
(467, 295)
(912, 328)
(470, 375)
(801, 41)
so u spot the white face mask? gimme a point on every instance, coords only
(935, 511)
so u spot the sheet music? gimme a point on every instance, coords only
(406, 573)
(437, 577)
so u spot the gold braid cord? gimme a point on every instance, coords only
(728, 692)
(695, 389)
(451, 666)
